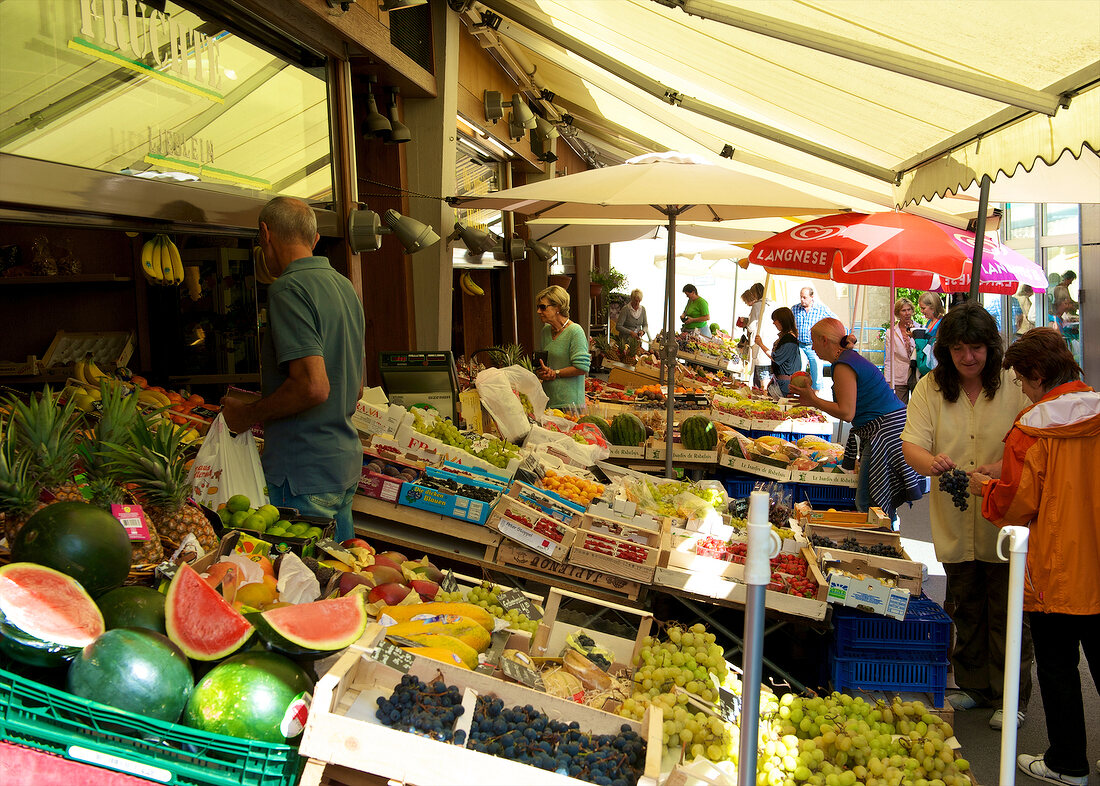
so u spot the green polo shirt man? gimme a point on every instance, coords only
(696, 314)
(311, 372)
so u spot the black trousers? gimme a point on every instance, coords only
(979, 591)
(1059, 639)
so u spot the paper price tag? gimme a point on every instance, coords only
(394, 656)
(513, 599)
(449, 583)
(729, 705)
(132, 517)
(520, 673)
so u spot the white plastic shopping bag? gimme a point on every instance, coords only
(227, 465)
(500, 391)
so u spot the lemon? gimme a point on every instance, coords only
(238, 503)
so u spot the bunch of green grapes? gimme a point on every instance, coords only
(442, 429)
(498, 452)
(689, 660)
(838, 740)
(485, 596)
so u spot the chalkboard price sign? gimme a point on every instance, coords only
(449, 583)
(513, 599)
(393, 656)
(517, 671)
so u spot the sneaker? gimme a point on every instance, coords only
(961, 700)
(998, 719)
(1038, 769)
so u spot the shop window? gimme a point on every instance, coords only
(158, 92)
(1021, 221)
(1061, 219)
(1063, 300)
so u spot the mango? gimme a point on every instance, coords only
(476, 613)
(462, 628)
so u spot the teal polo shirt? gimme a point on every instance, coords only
(313, 310)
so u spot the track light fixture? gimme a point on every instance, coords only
(520, 118)
(477, 241)
(375, 123)
(399, 132)
(543, 252)
(513, 252)
(365, 231)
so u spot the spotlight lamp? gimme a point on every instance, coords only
(519, 119)
(543, 252)
(477, 241)
(375, 123)
(545, 130)
(365, 231)
(514, 250)
(399, 132)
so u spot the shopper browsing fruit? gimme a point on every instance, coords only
(566, 345)
(899, 350)
(753, 297)
(1047, 483)
(632, 323)
(957, 418)
(311, 372)
(862, 397)
(696, 314)
(808, 313)
(785, 355)
(931, 308)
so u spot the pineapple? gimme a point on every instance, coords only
(47, 433)
(18, 495)
(117, 419)
(154, 465)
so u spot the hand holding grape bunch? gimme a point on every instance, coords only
(957, 484)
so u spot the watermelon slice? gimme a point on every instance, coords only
(199, 620)
(46, 617)
(313, 629)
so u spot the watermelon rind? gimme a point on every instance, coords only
(313, 629)
(248, 696)
(133, 607)
(200, 621)
(135, 670)
(80, 540)
(46, 616)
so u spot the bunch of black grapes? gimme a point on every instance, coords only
(957, 484)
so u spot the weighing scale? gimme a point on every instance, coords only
(421, 378)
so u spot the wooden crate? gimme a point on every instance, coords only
(596, 534)
(509, 553)
(909, 572)
(531, 528)
(110, 349)
(874, 518)
(549, 639)
(342, 730)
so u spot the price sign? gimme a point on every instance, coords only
(729, 705)
(132, 517)
(449, 583)
(520, 673)
(497, 646)
(401, 641)
(393, 656)
(513, 599)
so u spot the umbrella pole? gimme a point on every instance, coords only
(979, 238)
(670, 340)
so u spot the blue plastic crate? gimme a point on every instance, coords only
(838, 497)
(741, 487)
(890, 675)
(925, 632)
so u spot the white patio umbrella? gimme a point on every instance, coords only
(669, 186)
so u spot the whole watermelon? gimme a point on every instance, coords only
(599, 423)
(133, 607)
(135, 670)
(698, 433)
(253, 695)
(627, 429)
(81, 541)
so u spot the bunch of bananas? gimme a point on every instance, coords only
(88, 372)
(161, 262)
(468, 286)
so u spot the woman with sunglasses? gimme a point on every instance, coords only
(566, 345)
(957, 418)
(1047, 483)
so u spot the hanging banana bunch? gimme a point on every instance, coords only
(466, 282)
(161, 262)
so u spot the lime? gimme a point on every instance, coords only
(270, 513)
(313, 532)
(297, 529)
(256, 521)
(238, 503)
(278, 529)
(238, 519)
(224, 514)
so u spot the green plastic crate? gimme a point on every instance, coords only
(41, 717)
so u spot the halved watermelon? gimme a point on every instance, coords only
(46, 617)
(313, 629)
(200, 621)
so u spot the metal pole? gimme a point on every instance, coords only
(1017, 560)
(757, 575)
(670, 338)
(979, 238)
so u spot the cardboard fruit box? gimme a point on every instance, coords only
(908, 571)
(455, 506)
(342, 728)
(617, 548)
(550, 638)
(870, 589)
(532, 528)
(546, 501)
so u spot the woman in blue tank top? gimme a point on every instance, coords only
(863, 397)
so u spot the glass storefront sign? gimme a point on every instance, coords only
(120, 86)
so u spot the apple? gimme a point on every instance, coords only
(349, 581)
(396, 557)
(384, 574)
(390, 594)
(427, 590)
(357, 543)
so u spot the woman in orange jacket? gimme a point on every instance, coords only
(1047, 482)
